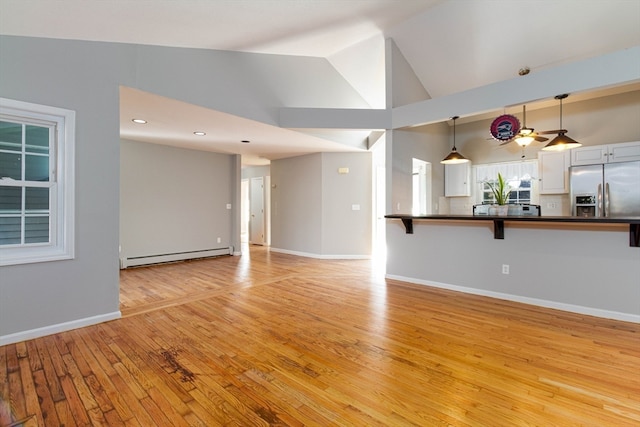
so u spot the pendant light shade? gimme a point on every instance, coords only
(562, 141)
(454, 157)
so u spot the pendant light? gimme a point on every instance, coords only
(562, 141)
(454, 157)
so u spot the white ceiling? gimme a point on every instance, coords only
(172, 122)
(452, 45)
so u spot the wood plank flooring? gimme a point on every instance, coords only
(270, 339)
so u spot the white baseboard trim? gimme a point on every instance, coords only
(318, 256)
(60, 327)
(590, 311)
(178, 256)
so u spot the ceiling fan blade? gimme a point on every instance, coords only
(505, 143)
(540, 138)
(549, 132)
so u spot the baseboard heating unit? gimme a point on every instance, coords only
(176, 256)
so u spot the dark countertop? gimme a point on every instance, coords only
(499, 221)
(531, 218)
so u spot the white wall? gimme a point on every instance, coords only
(173, 200)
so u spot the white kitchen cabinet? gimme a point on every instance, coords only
(624, 152)
(457, 180)
(592, 155)
(553, 170)
(611, 153)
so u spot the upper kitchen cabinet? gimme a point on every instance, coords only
(553, 170)
(611, 153)
(457, 180)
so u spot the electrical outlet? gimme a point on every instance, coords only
(505, 268)
(219, 240)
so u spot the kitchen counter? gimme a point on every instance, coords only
(499, 221)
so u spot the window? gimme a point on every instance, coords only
(36, 182)
(519, 175)
(520, 190)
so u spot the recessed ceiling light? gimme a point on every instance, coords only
(245, 141)
(139, 121)
(199, 133)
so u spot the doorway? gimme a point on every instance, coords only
(421, 188)
(256, 211)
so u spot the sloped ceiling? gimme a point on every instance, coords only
(452, 45)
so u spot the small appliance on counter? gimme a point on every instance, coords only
(515, 209)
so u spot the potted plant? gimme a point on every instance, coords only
(501, 190)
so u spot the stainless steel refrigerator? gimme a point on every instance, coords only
(609, 190)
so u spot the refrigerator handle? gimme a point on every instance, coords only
(606, 199)
(600, 213)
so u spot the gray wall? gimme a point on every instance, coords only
(79, 77)
(41, 298)
(346, 231)
(311, 205)
(173, 200)
(296, 204)
(585, 269)
(428, 143)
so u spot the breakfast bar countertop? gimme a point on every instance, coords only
(498, 222)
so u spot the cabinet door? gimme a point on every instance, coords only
(457, 180)
(593, 155)
(624, 152)
(553, 168)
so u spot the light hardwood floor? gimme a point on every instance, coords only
(275, 339)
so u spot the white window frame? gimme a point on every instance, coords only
(61, 244)
(486, 172)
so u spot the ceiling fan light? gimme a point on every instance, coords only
(526, 131)
(524, 140)
(561, 142)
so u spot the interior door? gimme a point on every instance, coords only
(245, 211)
(256, 220)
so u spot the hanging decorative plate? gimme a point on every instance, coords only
(505, 127)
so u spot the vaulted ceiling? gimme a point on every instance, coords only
(451, 45)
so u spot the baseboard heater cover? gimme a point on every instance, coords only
(176, 256)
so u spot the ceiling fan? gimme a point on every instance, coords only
(526, 135)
